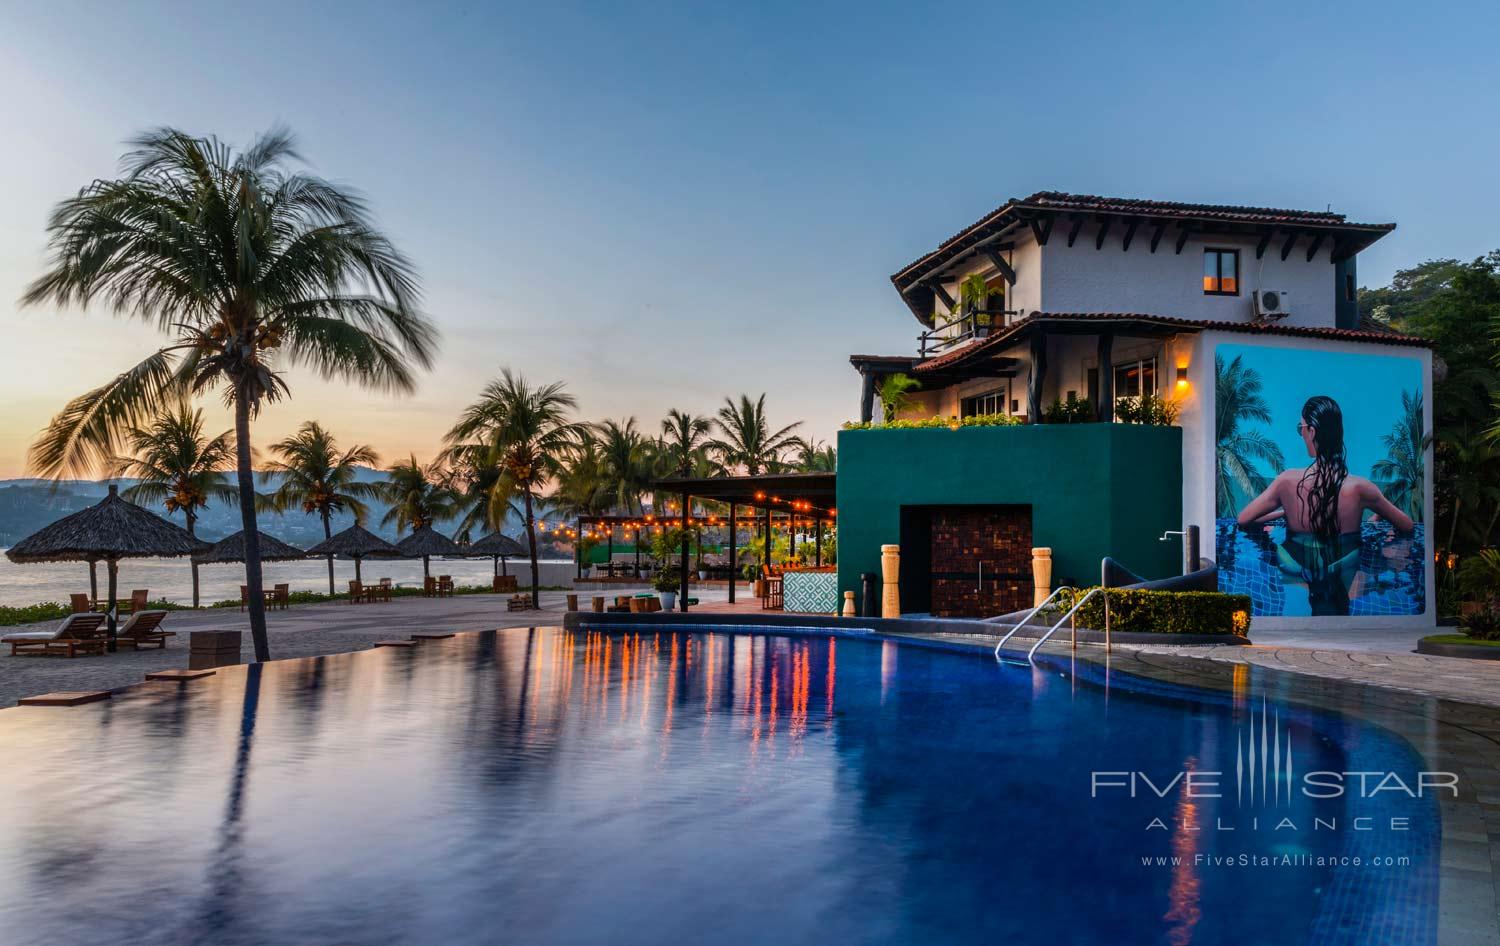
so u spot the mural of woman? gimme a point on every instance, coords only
(1324, 508)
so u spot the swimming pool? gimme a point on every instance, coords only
(541, 786)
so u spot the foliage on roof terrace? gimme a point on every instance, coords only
(977, 420)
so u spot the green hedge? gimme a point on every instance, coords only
(1164, 612)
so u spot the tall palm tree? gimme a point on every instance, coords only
(315, 475)
(627, 464)
(523, 433)
(1403, 472)
(418, 496)
(582, 478)
(179, 466)
(1238, 399)
(815, 456)
(682, 445)
(251, 268)
(747, 441)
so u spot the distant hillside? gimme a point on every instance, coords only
(28, 504)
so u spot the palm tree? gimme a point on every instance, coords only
(582, 488)
(681, 449)
(1471, 474)
(1403, 473)
(1237, 397)
(251, 268)
(627, 464)
(815, 456)
(320, 479)
(418, 496)
(178, 466)
(523, 433)
(747, 442)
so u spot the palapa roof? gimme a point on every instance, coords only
(355, 542)
(427, 541)
(496, 543)
(232, 549)
(111, 528)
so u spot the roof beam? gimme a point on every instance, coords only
(1286, 248)
(1182, 236)
(1313, 250)
(1000, 264)
(1265, 241)
(1103, 231)
(936, 286)
(1073, 230)
(1041, 228)
(1156, 236)
(1130, 232)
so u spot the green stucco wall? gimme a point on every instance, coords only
(1094, 489)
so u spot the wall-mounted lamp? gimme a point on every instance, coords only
(1182, 378)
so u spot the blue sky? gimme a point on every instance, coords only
(664, 204)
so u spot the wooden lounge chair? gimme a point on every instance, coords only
(77, 634)
(144, 630)
(81, 604)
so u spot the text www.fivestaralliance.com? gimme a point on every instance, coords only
(1273, 860)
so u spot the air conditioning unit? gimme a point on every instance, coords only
(1272, 304)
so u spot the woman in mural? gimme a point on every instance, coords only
(1324, 508)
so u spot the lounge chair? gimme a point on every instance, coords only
(144, 630)
(78, 633)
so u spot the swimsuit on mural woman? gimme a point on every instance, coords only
(1324, 507)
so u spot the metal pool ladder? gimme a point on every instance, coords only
(1053, 629)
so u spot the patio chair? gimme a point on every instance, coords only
(356, 591)
(78, 633)
(429, 587)
(281, 596)
(144, 630)
(445, 586)
(244, 595)
(383, 589)
(137, 602)
(81, 604)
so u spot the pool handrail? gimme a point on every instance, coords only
(1071, 611)
(1029, 615)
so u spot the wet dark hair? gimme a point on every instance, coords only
(1325, 478)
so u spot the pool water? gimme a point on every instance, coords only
(539, 786)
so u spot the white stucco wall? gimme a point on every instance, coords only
(1083, 279)
(1199, 465)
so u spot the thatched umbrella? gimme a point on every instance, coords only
(498, 546)
(107, 531)
(425, 543)
(357, 543)
(232, 549)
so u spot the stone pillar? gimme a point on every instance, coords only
(890, 573)
(849, 610)
(1041, 575)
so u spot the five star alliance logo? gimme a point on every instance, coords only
(1262, 760)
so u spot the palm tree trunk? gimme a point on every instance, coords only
(536, 589)
(1453, 528)
(254, 585)
(192, 526)
(328, 534)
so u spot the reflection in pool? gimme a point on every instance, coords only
(542, 786)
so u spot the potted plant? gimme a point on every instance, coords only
(665, 584)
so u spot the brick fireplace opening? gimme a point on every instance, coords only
(965, 561)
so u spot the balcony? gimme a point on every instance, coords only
(961, 329)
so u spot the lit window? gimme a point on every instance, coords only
(1221, 272)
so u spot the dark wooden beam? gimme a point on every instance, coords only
(1342, 250)
(1313, 250)
(1182, 237)
(1286, 248)
(1104, 411)
(1041, 228)
(1103, 232)
(1156, 236)
(1265, 241)
(1037, 378)
(1000, 264)
(1073, 230)
(1130, 233)
(942, 294)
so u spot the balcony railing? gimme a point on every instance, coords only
(962, 329)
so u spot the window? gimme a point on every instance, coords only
(1135, 378)
(1221, 272)
(990, 402)
(1348, 287)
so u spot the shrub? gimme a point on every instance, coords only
(1165, 612)
(1483, 623)
(30, 614)
(976, 420)
(1148, 409)
(665, 581)
(1072, 411)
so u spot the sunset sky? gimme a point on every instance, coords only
(663, 205)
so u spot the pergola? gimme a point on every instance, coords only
(809, 496)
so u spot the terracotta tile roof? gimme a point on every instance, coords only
(1012, 332)
(1058, 202)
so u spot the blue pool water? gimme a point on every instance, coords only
(1390, 579)
(540, 786)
